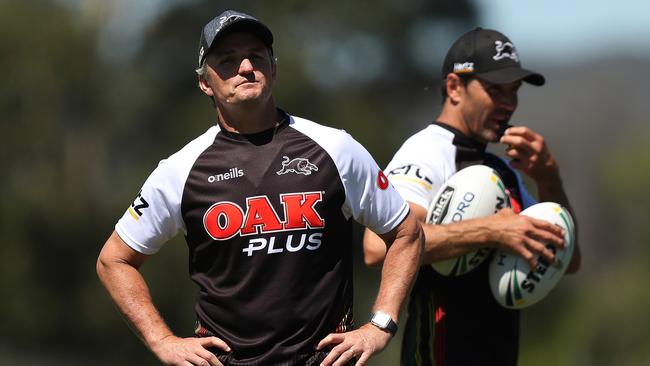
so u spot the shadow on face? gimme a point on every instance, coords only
(243, 54)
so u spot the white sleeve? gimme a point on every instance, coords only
(154, 217)
(370, 198)
(417, 175)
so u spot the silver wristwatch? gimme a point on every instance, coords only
(383, 321)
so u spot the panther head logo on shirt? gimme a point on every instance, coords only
(296, 165)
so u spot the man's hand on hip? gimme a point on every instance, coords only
(176, 351)
(361, 344)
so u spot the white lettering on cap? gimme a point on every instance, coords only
(460, 68)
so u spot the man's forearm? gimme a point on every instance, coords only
(452, 240)
(400, 267)
(130, 293)
(554, 192)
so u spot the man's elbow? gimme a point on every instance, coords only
(414, 235)
(374, 249)
(101, 267)
(373, 258)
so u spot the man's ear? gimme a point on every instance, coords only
(455, 87)
(205, 86)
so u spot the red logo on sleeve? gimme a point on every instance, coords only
(382, 181)
(516, 206)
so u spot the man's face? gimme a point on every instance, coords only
(487, 108)
(240, 70)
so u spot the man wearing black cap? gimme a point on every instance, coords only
(265, 201)
(456, 320)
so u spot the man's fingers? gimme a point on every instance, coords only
(528, 256)
(333, 355)
(197, 360)
(362, 359)
(333, 338)
(208, 342)
(525, 139)
(513, 140)
(538, 248)
(514, 154)
(522, 131)
(521, 145)
(553, 238)
(210, 357)
(345, 357)
(549, 232)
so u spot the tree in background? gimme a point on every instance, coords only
(88, 118)
(85, 119)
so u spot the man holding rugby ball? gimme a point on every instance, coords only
(456, 320)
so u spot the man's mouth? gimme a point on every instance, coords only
(247, 81)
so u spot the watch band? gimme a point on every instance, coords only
(384, 322)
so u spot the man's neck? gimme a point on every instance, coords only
(248, 119)
(451, 116)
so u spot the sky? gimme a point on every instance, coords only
(570, 30)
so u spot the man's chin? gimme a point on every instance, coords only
(247, 98)
(486, 136)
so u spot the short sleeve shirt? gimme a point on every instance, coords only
(267, 219)
(453, 320)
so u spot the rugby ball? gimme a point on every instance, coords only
(473, 192)
(513, 283)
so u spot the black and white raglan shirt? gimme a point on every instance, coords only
(453, 320)
(267, 219)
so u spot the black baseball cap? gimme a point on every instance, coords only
(488, 55)
(231, 21)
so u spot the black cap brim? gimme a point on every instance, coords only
(512, 74)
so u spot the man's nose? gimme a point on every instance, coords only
(245, 67)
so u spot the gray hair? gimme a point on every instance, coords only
(202, 70)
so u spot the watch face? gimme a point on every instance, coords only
(381, 319)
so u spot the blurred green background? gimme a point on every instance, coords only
(94, 93)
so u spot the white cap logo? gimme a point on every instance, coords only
(505, 50)
(460, 68)
(228, 19)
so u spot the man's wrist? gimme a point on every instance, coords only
(384, 322)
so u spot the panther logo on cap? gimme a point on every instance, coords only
(228, 19)
(505, 50)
